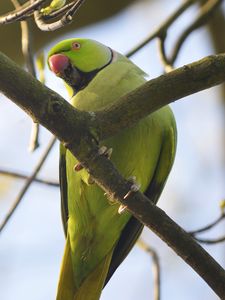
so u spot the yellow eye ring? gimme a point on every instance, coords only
(76, 46)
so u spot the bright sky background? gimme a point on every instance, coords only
(31, 245)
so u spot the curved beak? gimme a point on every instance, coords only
(60, 64)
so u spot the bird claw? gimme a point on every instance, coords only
(103, 150)
(134, 187)
(90, 180)
(78, 167)
(110, 198)
(122, 209)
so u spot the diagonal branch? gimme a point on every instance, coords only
(65, 20)
(210, 241)
(72, 128)
(162, 30)
(23, 176)
(209, 226)
(206, 13)
(20, 14)
(29, 62)
(159, 92)
(27, 184)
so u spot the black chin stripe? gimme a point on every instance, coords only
(88, 76)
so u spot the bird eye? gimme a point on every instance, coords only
(76, 46)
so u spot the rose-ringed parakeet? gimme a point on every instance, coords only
(98, 238)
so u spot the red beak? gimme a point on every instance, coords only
(58, 63)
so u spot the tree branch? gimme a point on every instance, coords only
(155, 268)
(207, 10)
(162, 30)
(72, 127)
(209, 226)
(23, 176)
(159, 92)
(27, 184)
(29, 62)
(65, 20)
(22, 13)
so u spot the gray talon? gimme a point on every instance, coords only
(133, 189)
(132, 179)
(103, 150)
(109, 153)
(122, 209)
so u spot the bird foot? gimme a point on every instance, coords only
(134, 187)
(103, 150)
(122, 209)
(78, 167)
(90, 180)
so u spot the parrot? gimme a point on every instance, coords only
(99, 235)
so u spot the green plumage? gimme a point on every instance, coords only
(98, 238)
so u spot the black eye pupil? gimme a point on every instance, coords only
(76, 45)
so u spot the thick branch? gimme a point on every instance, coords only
(159, 92)
(71, 127)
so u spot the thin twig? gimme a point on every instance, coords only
(34, 137)
(205, 228)
(29, 62)
(65, 20)
(162, 51)
(206, 12)
(210, 241)
(27, 184)
(155, 267)
(23, 176)
(22, 13)
(216, 25)
(209, 226)
(161, 31)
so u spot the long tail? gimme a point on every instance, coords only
(90, 288)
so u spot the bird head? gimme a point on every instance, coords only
(78, 60)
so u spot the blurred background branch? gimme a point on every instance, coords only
(23, 176)
(87, 14)
(27, 184)
(155, 267)
(26, 44)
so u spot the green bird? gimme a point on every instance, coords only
(98, 238)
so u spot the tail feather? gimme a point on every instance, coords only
(90, 288)
(66, 286)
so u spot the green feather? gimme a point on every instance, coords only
(98, 238)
